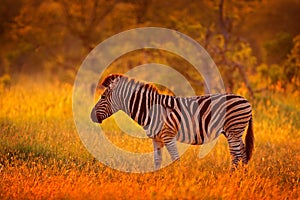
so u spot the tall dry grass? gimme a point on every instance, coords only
(41, 155)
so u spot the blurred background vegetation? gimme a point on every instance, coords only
(255, 43)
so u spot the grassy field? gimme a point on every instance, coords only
(41, 155)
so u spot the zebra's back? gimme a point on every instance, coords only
(201, 119)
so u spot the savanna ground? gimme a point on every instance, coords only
(41, 155)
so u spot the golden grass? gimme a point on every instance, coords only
(41, 155)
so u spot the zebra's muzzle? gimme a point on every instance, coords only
(94, 117)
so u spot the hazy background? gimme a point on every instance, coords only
(255, 43)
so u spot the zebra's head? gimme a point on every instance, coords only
(104, 107)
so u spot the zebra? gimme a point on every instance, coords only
(166, 119)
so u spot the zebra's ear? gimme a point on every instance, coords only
(110, 79)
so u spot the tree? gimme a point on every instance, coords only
(84, 18)
(292, 65)
(232, 53)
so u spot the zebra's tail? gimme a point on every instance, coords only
(249, 140)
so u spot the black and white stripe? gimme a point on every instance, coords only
(167, 119)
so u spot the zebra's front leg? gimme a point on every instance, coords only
(172, 149)
(157, 145)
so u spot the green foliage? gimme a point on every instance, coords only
(292, 65)
(55, 36)
(269, 19)
(5, 81)
(285, 75)
(278, 48)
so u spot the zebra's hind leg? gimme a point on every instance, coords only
(237, 150)
(157, 145)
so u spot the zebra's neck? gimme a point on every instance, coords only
(138, 100)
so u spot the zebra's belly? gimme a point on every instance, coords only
(196, 133)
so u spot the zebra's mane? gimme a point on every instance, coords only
(148, 85)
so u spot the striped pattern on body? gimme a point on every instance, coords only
(167, 119)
